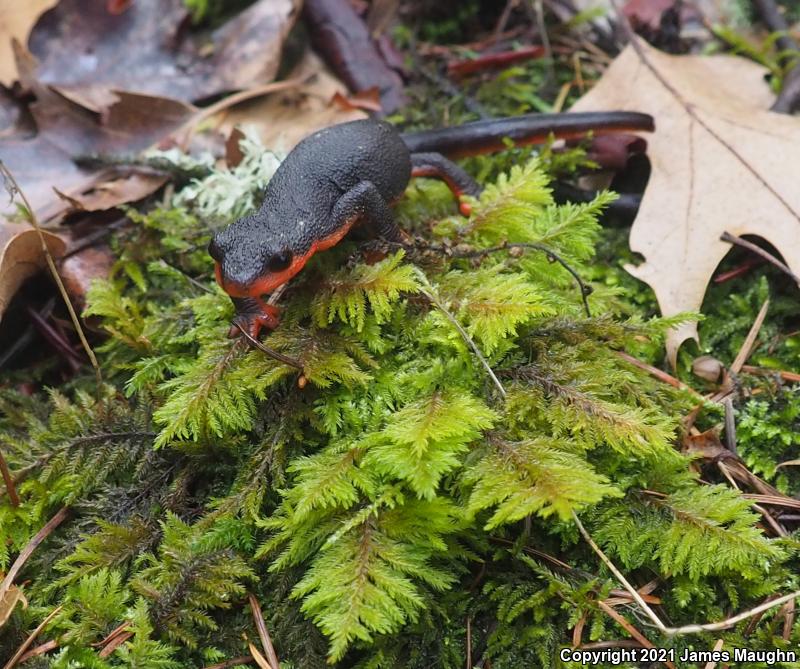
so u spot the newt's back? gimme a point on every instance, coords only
(330, 162)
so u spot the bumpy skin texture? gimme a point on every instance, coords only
(300, 202)
(333, 179)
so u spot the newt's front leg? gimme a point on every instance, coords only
(252, 314)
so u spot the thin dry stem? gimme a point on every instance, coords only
(263, 633)
(684, 629)
(11, 489)
(31, 637)
(465, 335)
(750, 340)
(51, 263)
(26, 552)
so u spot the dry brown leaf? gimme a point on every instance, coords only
(720, 162)
(283, 119)
(16, 21)
(131, 122)
(9, 601)
(21, 256)
(151, 48)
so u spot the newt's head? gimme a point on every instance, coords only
(247, 265)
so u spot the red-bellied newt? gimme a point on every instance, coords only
(349, 174)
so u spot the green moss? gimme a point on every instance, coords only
(394, 493)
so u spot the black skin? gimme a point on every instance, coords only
(350, 174)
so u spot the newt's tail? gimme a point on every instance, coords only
(488, 136)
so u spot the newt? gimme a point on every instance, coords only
(350, 174)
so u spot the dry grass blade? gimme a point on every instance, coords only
(234, 662)
(750, 340)
(630, 629)
(31, 637)
(775, 500)
(684, 629)
(261, 661)
(717, 648)
(263, 633)
(26, 552)
(11, 489)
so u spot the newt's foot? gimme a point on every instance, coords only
(465, 208)
(253, 314)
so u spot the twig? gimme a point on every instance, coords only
(469, 642)
(46, 647)
(26, 552)
(552, 256)
(263, 633)
(630, 629)
(234, 662)
(684, 629)
(31, 637)
(13, 187)
(464, 334)
(733, 239)
(763, 371)
(285, 359)
(659, 374)
(11, 489)
(789, 97)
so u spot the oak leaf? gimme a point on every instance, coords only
(16, 21)
(720, 162)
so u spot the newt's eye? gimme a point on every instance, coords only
(280, 261)
(214, 250)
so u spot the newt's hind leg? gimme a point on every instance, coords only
(457, 180)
